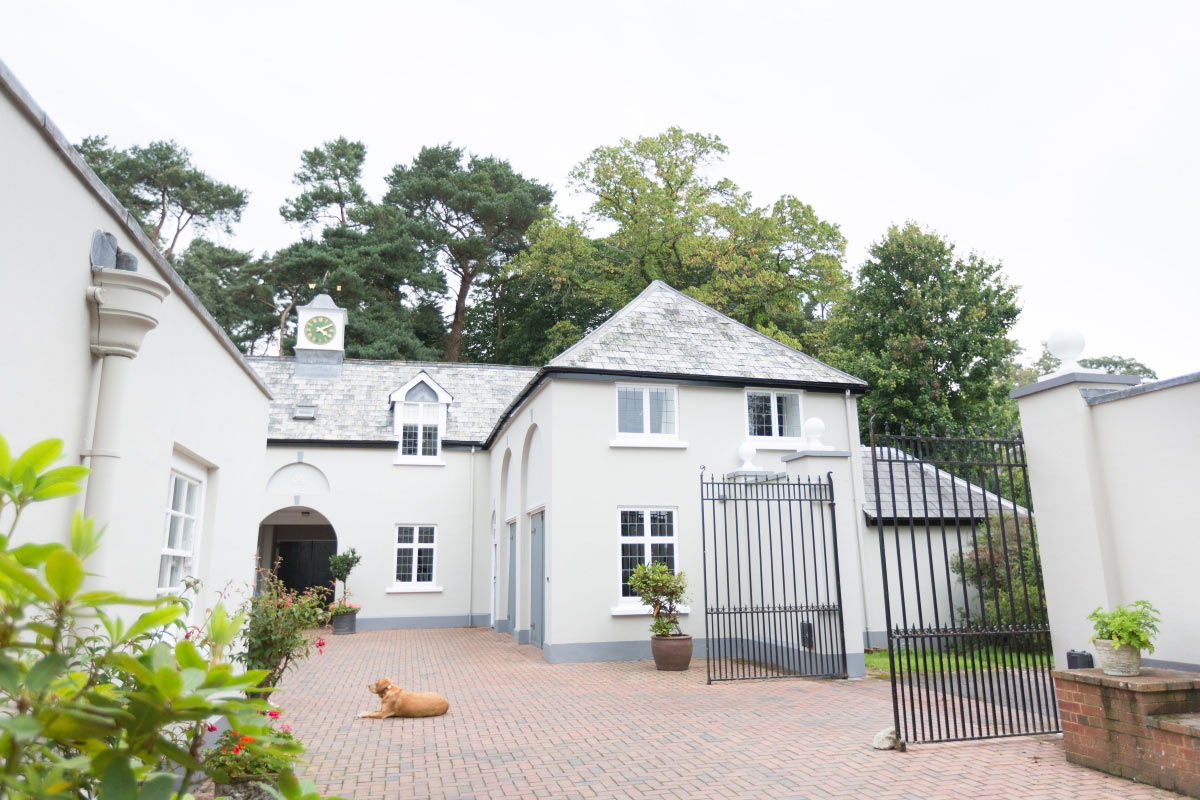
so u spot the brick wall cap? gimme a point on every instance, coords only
(1152, 679)
(1183, 724)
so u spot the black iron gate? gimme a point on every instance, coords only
(772, 591)
(967, 633)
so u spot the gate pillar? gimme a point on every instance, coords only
(837, 466)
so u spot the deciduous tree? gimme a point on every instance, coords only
(929, 331)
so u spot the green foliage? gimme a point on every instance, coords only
(1003, 572)
(1134, 624)
(232, 755)
(470, 219)
(278, 623)
(340, 567)
(775, 268)
(99, 701)
(231, 284)
(929, 331)
(329, 177)
(163, 189)
(662, 592)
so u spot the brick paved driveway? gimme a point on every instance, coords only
(519, 727)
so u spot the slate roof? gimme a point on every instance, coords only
(663, 330)
(932, 492)
(355, 407)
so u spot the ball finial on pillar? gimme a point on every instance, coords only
(746, 453)
(1066, 344)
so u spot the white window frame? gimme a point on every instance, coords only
(782, 442)
(403, 415)
(195, 474)
(413, 586)
(645, 438)
(632, 606)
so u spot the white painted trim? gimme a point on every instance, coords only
(422, 589)
(421, 377)
(639, 610)
(625, 602)
(432, 585)
(637, 442)
(540, 508)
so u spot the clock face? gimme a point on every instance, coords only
(319, 330)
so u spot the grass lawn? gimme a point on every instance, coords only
(952, 660)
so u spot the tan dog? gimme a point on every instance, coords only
(396, 702)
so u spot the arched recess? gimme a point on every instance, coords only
(533, 534)
(298, 478)
(506, 556)
(297, 542)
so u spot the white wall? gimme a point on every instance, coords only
(369, 495)
(186, 392)
(1112, 485)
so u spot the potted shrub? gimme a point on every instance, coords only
(279, 625)
(1122, 635)
(663, 592)
(344, 612)
(243, 768)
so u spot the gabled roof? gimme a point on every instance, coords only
(664, 331)
(354, 406)
(913, 489)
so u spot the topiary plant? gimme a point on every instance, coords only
(340, 566)
(662, 591)
(1134, 624)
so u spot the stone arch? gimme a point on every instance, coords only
(299, 539)
(298, 478)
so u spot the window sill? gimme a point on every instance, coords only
(631, 610)
(419, 461)
(634, 441)
(412, 589)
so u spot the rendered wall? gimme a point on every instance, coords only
(186, 391)
(1112, 484)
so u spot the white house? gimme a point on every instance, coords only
(108, 350)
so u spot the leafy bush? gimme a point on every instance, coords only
(94, 705)
(232, 756)
(662, 592)
(278, 623)
(1005, 574)
(340, 566)
(1134, 624)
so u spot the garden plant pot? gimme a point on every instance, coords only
(672, 653)
(1122, 660)
(343, 623)
(246, 788)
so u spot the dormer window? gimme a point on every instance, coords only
(420, 408)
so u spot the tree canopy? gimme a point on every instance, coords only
(329, 178)
(160, 186)
(929, 331)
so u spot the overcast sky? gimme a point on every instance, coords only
(1062, 139)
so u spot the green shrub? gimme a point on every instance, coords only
(95, 705)
(662, 592)
(1005, 574)
(278, 623)
(1134, 624)
(232, 756)
(340, 566)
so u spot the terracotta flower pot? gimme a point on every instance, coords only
(672, 653)
(1121, 660)
(344, 623)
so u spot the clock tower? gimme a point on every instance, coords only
(320, 338)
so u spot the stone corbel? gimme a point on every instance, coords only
(123, 306)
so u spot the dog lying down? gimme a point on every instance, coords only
(396, 702)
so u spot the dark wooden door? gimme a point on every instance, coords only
(305, 564)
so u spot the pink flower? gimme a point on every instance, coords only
(320, 645)
(285, 728)
(212, 728)
(273, 714)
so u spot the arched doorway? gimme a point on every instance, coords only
(299, 540)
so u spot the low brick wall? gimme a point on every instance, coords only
(1145, 728)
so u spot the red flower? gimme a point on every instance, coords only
(237, 748)
(212, 728)
(245, 740)
(273, 714)
(320, 645)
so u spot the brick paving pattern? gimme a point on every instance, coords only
(518, 727)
